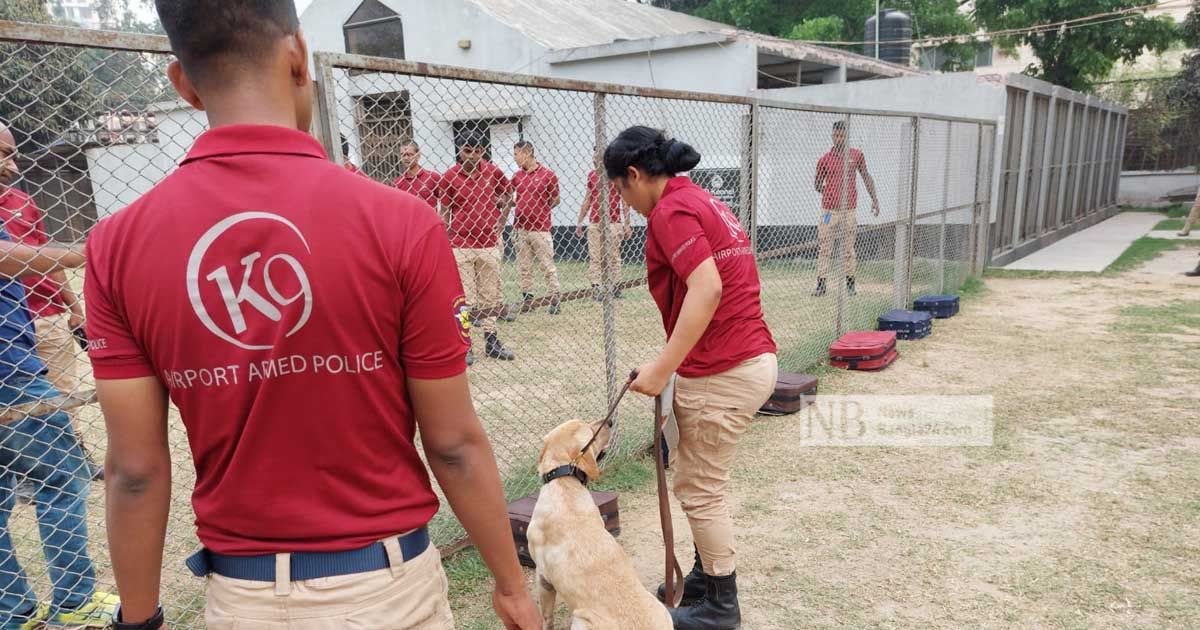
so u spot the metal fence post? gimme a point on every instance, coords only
(1065, 170)
(912, 209)
(752, 181)
(1023, 169)
(1047, 162)
(607, 281)
(945, 210)
(327, 111)
(973, 236)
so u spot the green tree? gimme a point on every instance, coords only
(1078, 56)
(819, 29)
(41, 87)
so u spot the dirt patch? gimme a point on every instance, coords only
(1082, 515)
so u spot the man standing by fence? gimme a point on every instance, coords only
(416, 180)
(44, 450)
(1192, 217)
(837, 181)
(537, 194)
(601, 252)
(57, 311)
(475, 197)
(304, 339)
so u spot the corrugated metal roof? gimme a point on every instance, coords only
(565, 24)
(560, 24)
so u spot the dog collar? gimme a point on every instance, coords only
(565, 471)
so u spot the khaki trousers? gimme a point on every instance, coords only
(1193, 217)
(480, 273)
(713, 412)
(595, 231)
(842, 224)
(537, 246)
(408, 596)
(56, 347)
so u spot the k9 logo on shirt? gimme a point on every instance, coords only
(731, 222)
(258, 285)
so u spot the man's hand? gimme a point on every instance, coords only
(628, 231)
(75, 319)
(517, 610)
(651, 379)
(875, 206)
(579, 231)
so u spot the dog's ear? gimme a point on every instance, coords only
(587, 463)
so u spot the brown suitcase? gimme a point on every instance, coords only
(793, 392)
(520, 512)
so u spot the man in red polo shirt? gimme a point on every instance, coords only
(837, 181)
(475, 196)
(419, 182)
(536, 189)
(304, 339)
(603, 248)
(56, 310)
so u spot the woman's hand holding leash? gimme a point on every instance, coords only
(650, 379)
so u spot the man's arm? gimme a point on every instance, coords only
(68, 299)
(870, 183)
(583, 211)
(138, 488)
(463, 463)
(819, 182)
(18, 261)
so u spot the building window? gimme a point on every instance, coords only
(983, 56)
(375, 30)
(385, 124)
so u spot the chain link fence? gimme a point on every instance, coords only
(903, 212)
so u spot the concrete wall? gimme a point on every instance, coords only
(727, 68)
(122, 173)
(1151, 188)
(960, 94)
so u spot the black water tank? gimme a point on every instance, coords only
(897, 26)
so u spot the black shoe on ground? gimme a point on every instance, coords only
(820, 288)
(596, 294)
(507, 315)
(555, 308)
(850, 286)
(527, 300)
(694, 585)
(718, 610)
(1195, 273)
(496, 350)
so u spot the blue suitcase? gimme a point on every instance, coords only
(940, 306)
(907, 324)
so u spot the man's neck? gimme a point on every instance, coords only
(533, 166)
(238, 106)
(413, 170)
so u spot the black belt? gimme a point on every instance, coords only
(308, 565)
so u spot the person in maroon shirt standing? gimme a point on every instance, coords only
(305, 339)
(57, 311)
(603, 248)
(537, 195)
(475, 195)
(701, 271)
(837, 181)
(419, 182)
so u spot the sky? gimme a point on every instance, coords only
(301, 5)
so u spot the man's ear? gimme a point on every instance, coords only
(298, 59)
(183, 85)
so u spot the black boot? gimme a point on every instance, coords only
(717, 611)
(850, 286)
(596, 295)
(820, 288)
(555, 307)
(693, 585)
(1195, 273)
(507, 315)
(496, 350)
(527, 300)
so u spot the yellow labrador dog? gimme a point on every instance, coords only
(576, 557)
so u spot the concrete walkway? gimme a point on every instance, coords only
(1093, 249)
(1173, 235)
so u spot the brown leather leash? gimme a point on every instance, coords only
(673, 581)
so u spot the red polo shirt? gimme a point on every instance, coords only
(536, 190)
(614, 199)
(472, 201)
(838, 194)
(687, 227)
(283, 301)
(23, 220)
(423, 185)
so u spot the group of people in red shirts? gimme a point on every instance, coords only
(474, 198)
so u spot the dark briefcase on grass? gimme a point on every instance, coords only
(792, 393)
(940, 306)
(907, 324)
(520, 513)
(864, 350)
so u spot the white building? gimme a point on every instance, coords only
(82, 13)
